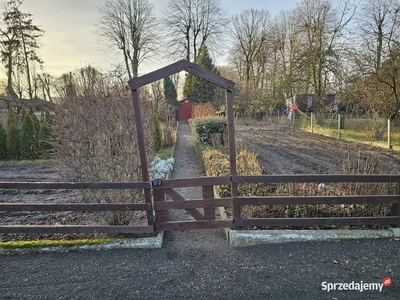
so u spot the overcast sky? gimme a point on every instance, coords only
(70, 41)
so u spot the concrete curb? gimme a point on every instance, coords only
(134, 243)
(241, 238)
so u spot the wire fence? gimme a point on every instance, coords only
(364, 129)
(379, 130)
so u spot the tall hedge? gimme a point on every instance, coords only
(3, 142)
(36, 138)
(13, 135)
(158, 133)
(45, 134)
(28, 138)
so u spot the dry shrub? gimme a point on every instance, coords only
(216, 163)
(168, 136)
(204, 110)
(353, 163)
(97, 142)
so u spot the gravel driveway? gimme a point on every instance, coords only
(201, 265)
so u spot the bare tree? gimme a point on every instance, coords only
(157, 93)
(192, 23)
(323, 28)
(286, 38)
(249, 35)
(44, 82)
(380, 53)
(130, 27)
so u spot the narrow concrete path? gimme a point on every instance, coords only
(188, 165)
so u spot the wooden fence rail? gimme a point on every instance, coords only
(238, 202)
(147, 229)
(206, 218)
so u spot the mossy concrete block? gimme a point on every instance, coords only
(241, 238)
(133, 243)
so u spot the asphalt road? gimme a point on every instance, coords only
(205, 267)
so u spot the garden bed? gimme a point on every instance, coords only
(47, 172)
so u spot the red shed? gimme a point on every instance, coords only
(185, 109)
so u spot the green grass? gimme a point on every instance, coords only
(165, 153)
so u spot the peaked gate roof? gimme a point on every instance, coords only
(182, 65)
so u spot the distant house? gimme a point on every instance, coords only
(185, 109)
(35, 106)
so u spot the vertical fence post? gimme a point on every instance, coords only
(312, 122)
(294, 117)
(232, 151)
(338, 126)
(396, 206)
(142, 153)
(389, 133)
(208, 193)
(161, 215)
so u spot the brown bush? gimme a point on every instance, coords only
(204, 110)
(96, 141)
(168, 136)
(353, 163)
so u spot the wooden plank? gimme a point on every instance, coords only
(314, 178)
(209, 203)
(395, 211)
(195, 181)
(381, 199)
(161, 73)
(74, 185)
(176, 197)
(208, 193)
(316, 221)
(232, 152)
(159, 198)
(190, 225)
(74, 229)
(73, 206)
(142, 153)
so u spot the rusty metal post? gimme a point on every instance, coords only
(142, 153)
(232, 152)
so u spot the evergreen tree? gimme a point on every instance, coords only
(24, 113)
(13, 135)
(36, 138)
(157, 133)
(18, 37)
(197, 88)
(27, 138)
(3, 142)
(45, 134)
(170, 94)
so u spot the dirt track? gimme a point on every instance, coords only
(296, 152)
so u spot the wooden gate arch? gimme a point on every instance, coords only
(182, 65)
